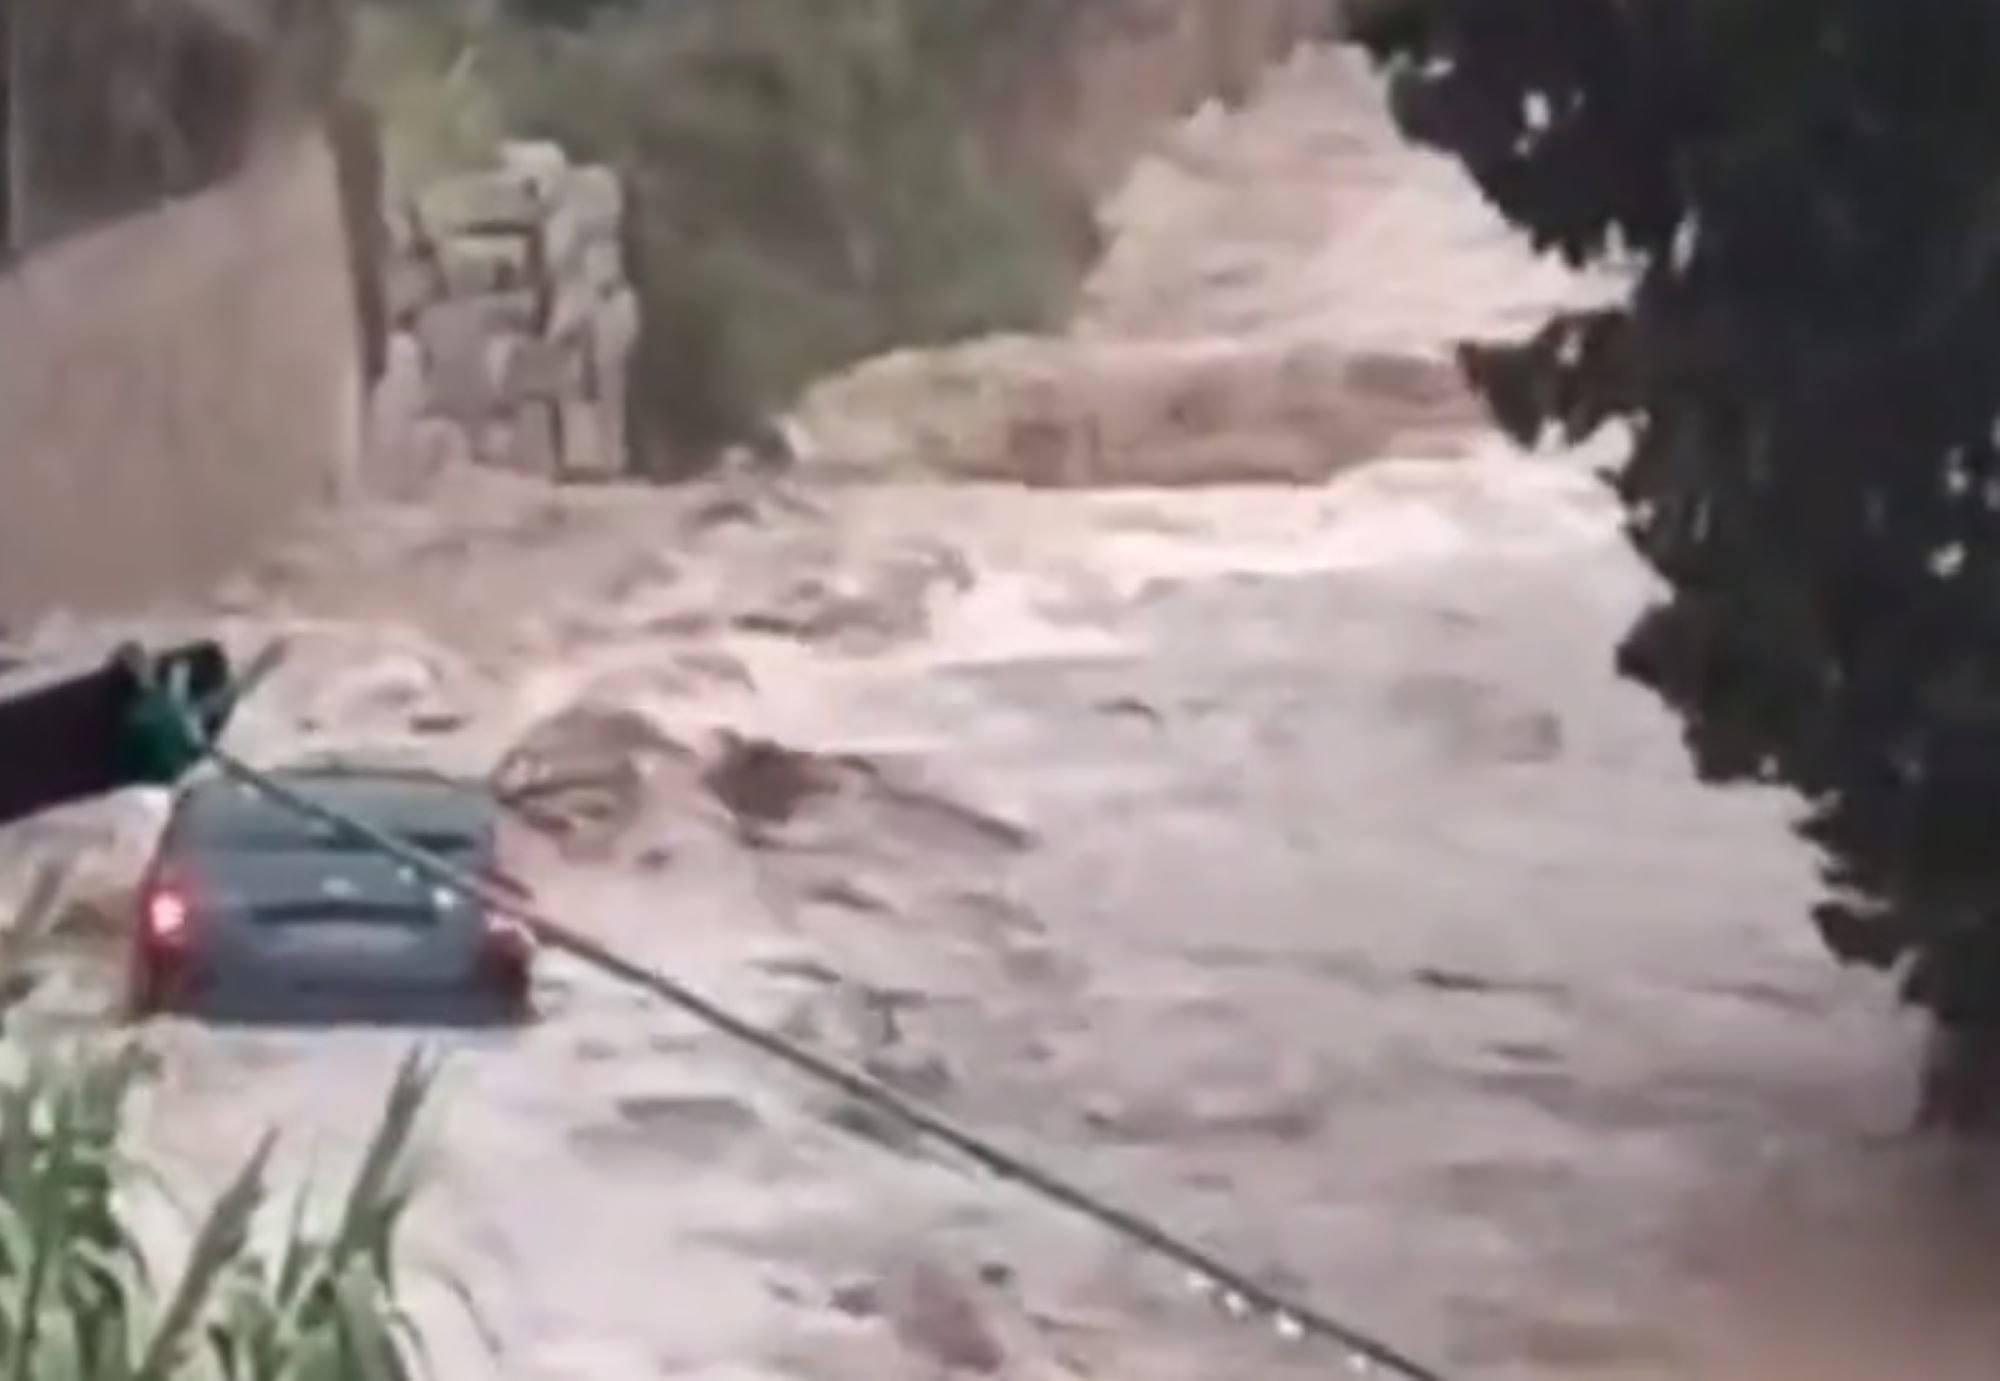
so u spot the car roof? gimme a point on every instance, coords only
(395, 800)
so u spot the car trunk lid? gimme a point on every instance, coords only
(333, 917)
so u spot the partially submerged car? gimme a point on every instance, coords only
(250, 910)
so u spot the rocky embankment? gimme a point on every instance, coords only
(511, 325)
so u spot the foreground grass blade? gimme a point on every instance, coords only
(220, 1244)
(77, 1302)
(369, 1214)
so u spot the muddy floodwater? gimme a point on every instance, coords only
(1283, 860)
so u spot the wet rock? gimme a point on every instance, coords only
(860, 1299)
(614, 331)
(438, 721)
(772, 448)
(517, 309)
(524, 368)
(597, 1050)
(763, 783)
(18, 983)
(699, 1126)
(727, 1371)
(1131, 707)
(395, 408)
(799, 968)
(593, 196)
(587, 451)
(860, 1020)
(525, 442)
(1535, 736)
(68, 891)
(614, 334)
(864, 1027)
(936, 819)
(601, 268)
(477, 203)
(582, 776)
(942, 1318)
(536, 164)
(474, 265)
(437, 448)
(391, 685)
(847, 895)
(409, 286)
(845, 620)
(402, 233)
(567, 238)
(1455, 981)
(1474, 722)
(1582, 1346)
(493, 443)
(922, 1074)
(572, 310)
(34, 904)
(514, 285)
(1187, 1112)
(454, 337)
(838, 809)
(1085, 413)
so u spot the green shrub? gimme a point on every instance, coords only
(420, 69)
(808, 182)
(77, 1302)
(122, 103)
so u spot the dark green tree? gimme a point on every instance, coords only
(1806, 198)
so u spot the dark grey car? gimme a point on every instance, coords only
(250, 911)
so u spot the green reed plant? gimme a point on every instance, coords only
(80, 1302)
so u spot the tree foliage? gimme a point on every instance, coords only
(1807, 199)
(115, 105)
(807, 180)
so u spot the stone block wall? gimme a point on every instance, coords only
(511, 325)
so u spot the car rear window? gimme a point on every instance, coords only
(226, 817)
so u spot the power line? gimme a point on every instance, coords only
(1294, 1318)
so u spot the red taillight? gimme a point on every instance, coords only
(165, 916)
(508, 958)
(507, 940)
(508, 943)
(506, 937)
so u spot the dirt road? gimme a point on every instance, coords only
(1285, 859)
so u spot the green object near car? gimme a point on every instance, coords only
(159, 745)
(139, 718)
(184, 699)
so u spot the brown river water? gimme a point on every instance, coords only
(1281, 858)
